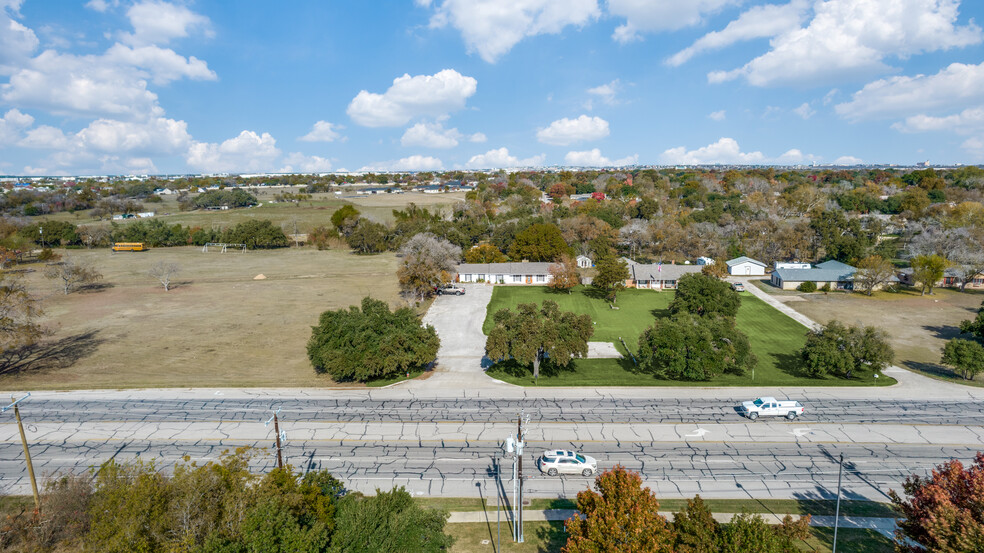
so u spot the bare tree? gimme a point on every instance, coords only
(93, 235)
(74, 273)
(19, 314)
(165, 271)
(873, 271)
(428, 261)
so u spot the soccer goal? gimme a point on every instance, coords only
(223, 247)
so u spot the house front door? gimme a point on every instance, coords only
(529, 279)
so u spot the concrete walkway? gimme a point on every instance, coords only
(884, 526)
(754, 290)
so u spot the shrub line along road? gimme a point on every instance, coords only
(440, 436)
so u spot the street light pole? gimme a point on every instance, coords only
(837, 510)
(519, 455)
(27, 452)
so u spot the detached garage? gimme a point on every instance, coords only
(745, 266)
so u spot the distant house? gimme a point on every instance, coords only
(374, 190)
(145, 214)
(745, 266)
(840, 276)
(950, 279)
(505, 273)
(658, 276)
(584, 262)
(705, 261)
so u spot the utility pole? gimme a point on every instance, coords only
(276, 430)
(27, 452)
(837, 510)
(519, 456)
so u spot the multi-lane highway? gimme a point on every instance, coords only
(449, 446)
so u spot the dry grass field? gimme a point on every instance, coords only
(918, 326)
(219, 327)
(307, 214)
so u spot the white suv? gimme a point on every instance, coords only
(566, 462)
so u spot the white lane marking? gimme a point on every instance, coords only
(699, 433)
(800, 432)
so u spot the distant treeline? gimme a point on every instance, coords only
(155, 233)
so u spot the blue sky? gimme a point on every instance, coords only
(124, 87)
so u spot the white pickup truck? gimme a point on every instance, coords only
(770, 407)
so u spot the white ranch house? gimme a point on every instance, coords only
(505, 273)
(658, 276)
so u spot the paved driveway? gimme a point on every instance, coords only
(458, 321)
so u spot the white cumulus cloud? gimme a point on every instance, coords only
(17, 42)
(411, 163)
(967, 121)
(323, 131)
(297, 162)
(500, 158)
(247, 152)
(717, 115)
(852, 38)
(163, 65)
(606, 92)
(160, 22)
(725, 150)
(955, 86)
(12, 124)
(593, 158)
(564, 132)
(410, 97)
(757, 22)
(660, 15)
(492, 27)
(848, 160)
(805, 111)
(434, 135)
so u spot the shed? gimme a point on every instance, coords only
(745, 266)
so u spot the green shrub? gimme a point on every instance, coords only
(807, 287)
(825, 287)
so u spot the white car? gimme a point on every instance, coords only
(738, 287)
(770, 407)
(566, 462)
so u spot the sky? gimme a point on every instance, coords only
(155, 87)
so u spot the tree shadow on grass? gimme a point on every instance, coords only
(791, 364)
(50, 354)
(823, 503)
(96, 287)
(552, 536)
(594, 293)
(933, 369)
(943, 332)
(515, 369)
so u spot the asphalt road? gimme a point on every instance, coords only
(590, 409)
(447, 447)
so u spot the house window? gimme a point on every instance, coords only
(466, 278)
(978, 281)
(517, 278)
(500, 279)
(541, 278)
(669, 284)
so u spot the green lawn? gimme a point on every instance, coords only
(549, 537)
(775, 340)
(816, 507)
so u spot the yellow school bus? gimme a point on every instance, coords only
(128, 247)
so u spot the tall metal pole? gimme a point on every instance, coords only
(837, 510)
(519, 454)
(276, 430)
(27, 452)
(498, 506)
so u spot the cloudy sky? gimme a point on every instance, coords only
(149, 86)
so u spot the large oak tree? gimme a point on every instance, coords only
(534, 333)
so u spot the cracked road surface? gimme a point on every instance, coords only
(447, 446)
